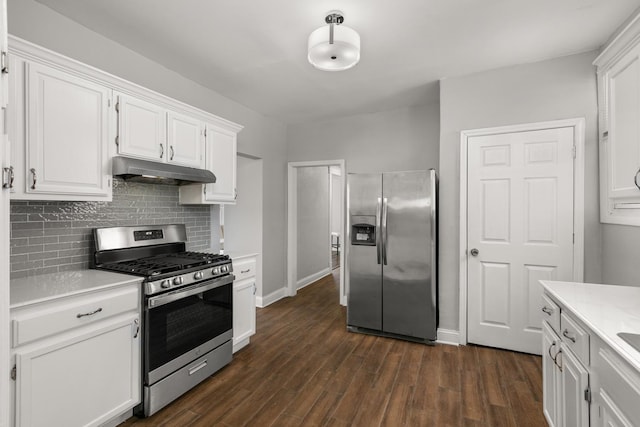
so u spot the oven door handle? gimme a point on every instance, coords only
(186, 292)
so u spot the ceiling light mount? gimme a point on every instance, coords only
(336, 48)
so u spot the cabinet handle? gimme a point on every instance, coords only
(79, 315)
(172, 152)
(161, 151)
(137, 323)
(254, 288)
(245, 271)
(565, 334)
(552, 357)
(635, 179)
(555, 360)
(547, 310)
(4, 59)
(35, 179)
(8, 183)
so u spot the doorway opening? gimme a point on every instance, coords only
(316, 195)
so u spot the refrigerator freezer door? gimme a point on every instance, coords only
(409, 306)
(364, 307)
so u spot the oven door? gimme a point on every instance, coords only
(184, 324)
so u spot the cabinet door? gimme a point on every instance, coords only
(141, 129)
(244, 312)
(185, 140)
(221, 160)
(551, 379)
(67, 130)
(623, 82)
(575, 381)
(83, 380)
(610, 415)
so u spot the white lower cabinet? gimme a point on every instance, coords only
(565, 379)
(244, 301)
(575, 390)
(551, 377)
(86, 370)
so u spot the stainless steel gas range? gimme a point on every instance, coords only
(187, 306)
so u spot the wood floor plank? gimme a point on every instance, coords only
(303, 368)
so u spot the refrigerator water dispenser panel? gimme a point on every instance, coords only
(363, 233)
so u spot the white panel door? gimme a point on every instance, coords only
(221, 160)
(141, 129)
(520, 231)
(185, 140)
(67, 130)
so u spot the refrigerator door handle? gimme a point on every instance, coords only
(384, 230)
(378, 233)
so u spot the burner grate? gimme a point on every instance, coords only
(165, 263)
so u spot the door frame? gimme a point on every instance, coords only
(578, 125)
(292, 222)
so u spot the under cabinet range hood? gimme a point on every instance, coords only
(137, 170)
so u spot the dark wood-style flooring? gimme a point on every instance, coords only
(303, 368)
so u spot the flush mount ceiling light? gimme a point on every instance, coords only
(334, 47)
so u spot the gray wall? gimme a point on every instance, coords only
(48, 237)
(550, 90)
(261, 137)
(401, 139)
(620, 264)
(313, 220)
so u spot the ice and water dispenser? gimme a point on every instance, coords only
(363, 230)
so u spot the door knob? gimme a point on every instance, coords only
(474, 252)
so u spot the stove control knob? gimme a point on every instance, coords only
(197, 275)
(215, 271)
(177, 281)
(165, 284)
(224, 269)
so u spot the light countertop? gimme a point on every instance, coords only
(46, 287)
(605, 309)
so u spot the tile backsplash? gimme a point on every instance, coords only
(48, 237)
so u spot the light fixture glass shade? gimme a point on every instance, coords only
(343, 54)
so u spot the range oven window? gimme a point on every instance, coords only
(184, 324)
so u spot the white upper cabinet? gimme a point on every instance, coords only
(220, 158)
(141, 129)
(619, 122)
(150, 131)
(59, 132)
(185, 140)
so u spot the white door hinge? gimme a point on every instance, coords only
(574, 238)
(14, 372)
(587, 395)
(4, 62)
(573, 151)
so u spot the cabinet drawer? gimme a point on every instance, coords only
(551, 313)
(576, 338)
(59, 316)
(244, 269)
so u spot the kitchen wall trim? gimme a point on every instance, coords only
(578, 212)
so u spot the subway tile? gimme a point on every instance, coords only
(17, 250)
(14, 259)
(43, 255)
(26, 226)
(57, 246)
(23, 241)
(26, 233)
(43, 240)
(26, 265)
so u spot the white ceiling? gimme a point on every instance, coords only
(254, 51)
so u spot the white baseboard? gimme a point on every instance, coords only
(271, 298)
(312, 278)
(448, 336)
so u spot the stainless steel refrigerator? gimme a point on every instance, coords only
(392, 254)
